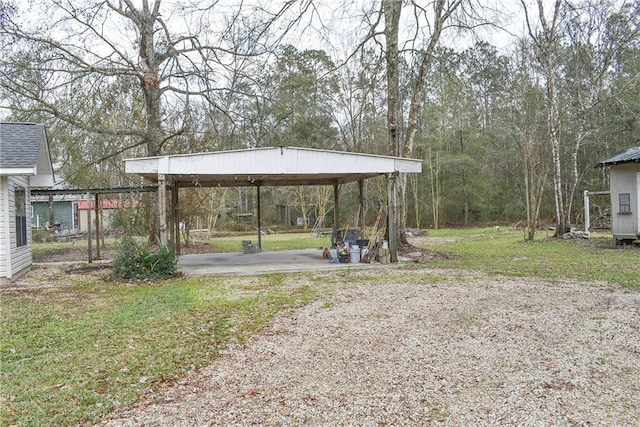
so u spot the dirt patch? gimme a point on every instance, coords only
(73, 253)
(416, 254)
(46, 277)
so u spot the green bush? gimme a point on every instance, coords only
(39, 235)
(137, 261)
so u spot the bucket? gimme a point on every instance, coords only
(354, 254)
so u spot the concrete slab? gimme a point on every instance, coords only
(262, 262)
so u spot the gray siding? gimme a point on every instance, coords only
(624, 179)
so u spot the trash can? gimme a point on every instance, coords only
(362, 243)
(354, 254)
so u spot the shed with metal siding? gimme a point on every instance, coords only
(624, 174)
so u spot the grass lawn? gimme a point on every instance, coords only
(507, 253)
(75, 349)
(270, 242)
(74, 352)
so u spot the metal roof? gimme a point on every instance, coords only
(24, 150)
(632, 155)
(273, 166)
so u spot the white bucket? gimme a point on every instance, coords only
(354, 254)
(385, 244)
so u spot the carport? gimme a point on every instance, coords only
(274, 166)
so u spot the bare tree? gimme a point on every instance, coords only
(574, 55)
(547, 44)
(587, 59)
(530, 139)
(176, 54)
(430, 22)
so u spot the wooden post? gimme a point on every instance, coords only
(259, 218)
(89, 232)
(336, 210)
(171, 220)
(52, 214)
(162, 209)
(360, 224)
(176, 218)
(97, 210)
(587, 216)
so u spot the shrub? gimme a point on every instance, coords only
(137, 261)
(39, 235)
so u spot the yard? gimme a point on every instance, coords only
(502, 332)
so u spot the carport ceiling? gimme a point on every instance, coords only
(275, 166)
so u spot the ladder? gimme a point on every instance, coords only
(318, 227)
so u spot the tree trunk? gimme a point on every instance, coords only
(553, 121)
(575, 173)
(392, 9)
(434, 175)
(546, 43)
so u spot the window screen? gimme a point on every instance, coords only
(624, 202)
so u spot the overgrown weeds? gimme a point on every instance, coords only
(137, 261)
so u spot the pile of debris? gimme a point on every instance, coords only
(415, 232)
(415, 254)
(576, 234)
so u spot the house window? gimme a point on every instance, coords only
(624, 202)
(20, 195)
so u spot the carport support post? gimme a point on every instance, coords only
(391, 223)
(162, 209)
(176, 218)
(89, 247)
(361, 204)
(336, 210)
(259, 217)
(97, 209)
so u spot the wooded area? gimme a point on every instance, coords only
(509, 123)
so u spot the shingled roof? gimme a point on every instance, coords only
(632, 155)
(24, 150)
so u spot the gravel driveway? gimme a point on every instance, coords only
(450, 348)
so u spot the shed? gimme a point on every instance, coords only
(25, 163)
(273, 166)
(624, 181)
(65, 211)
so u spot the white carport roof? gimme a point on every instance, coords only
(269, 167)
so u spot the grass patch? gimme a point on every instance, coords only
(508, 254)
(270, 242)
(73, 354)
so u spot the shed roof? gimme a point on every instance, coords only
(274, 166)
(24, 150)
(632, 155)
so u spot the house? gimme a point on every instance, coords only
(624, 174)
(25, 163)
